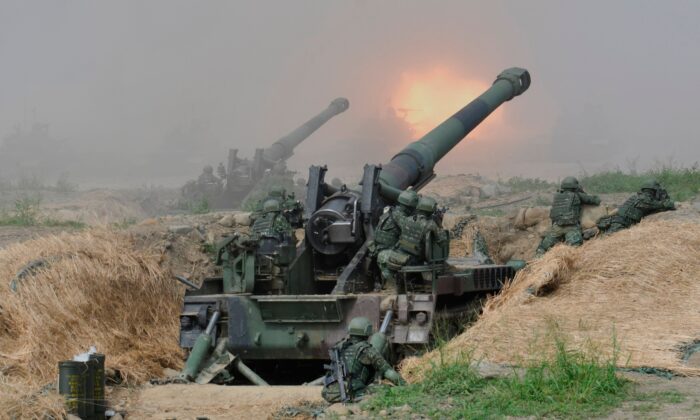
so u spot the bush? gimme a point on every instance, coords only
(681, 183)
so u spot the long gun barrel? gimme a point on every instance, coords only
(413, 166)
(283, 148)
(338, 220)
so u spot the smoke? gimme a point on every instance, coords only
(149, 92)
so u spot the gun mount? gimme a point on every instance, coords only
(240, 176)
(330, 277)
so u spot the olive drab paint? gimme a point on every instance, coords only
(278, 309)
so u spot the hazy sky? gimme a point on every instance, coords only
(147, 92)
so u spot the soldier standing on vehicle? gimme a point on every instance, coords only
(652, 198)
(566, 215)
(355, 364)
(411, 246)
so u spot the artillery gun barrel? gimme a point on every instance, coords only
(283, 148)
(413, 166)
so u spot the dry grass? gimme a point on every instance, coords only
(639, 285)
(95, 290)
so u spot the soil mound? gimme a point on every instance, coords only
(638, 287)
(77, 290)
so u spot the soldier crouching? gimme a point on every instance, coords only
(355, 363)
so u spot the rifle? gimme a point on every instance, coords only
(338, 365)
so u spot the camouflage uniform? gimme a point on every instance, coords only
(411, 245)
(363, 363)
(651, 199)
(271, 223)
(290, 207)
(387, 233)
(566, 215)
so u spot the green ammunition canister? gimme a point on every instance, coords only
(99, 389)
(71, 384)
(90, 388)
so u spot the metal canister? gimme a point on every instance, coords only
(71, 384)
(90, 389)
(99, 389)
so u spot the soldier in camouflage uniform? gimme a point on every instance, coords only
(411, 246)
(362, 364)
(387, 233)
(652, 198)
(291, 207)
(272, 223)
(566, 215)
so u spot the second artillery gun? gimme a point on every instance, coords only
(235, 181)
(289, 313)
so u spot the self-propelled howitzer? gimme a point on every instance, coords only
(291, 312)
(240, 176)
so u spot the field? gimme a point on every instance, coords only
(571, 337)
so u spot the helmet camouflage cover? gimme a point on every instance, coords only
(277, 191)
(408, 198)
(360, 326)
(651, 184)
(271, 205)
(570, 183)
(427, 205)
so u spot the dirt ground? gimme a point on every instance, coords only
(675, 398)
(687, 390)
(212, 401)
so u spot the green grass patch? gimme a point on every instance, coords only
(569, 384)
(681, 183)
(493, 212)
(27, 213)
(72, 224)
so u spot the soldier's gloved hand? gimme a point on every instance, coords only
(394, 377)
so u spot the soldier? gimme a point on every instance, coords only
(221, 171)
(387, 233)
(207, 176)
(652, 198)
(359, 363)
(566, 215)
(411, 246)
(271, 222)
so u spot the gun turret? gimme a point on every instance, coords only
(340, 221)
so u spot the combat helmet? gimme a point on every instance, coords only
(408, 198)
(209, 169)
(360, 326)
(570, 183)
(277, 191)
(651, 184)
(271, 205)
(427, 205)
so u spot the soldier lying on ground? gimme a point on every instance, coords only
(356, 366)
(566, 215)
(652, 198)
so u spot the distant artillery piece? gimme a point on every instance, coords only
(240, 176)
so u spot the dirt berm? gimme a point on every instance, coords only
(638, 287)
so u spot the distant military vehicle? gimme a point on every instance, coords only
(234, 181)
(281, 305)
